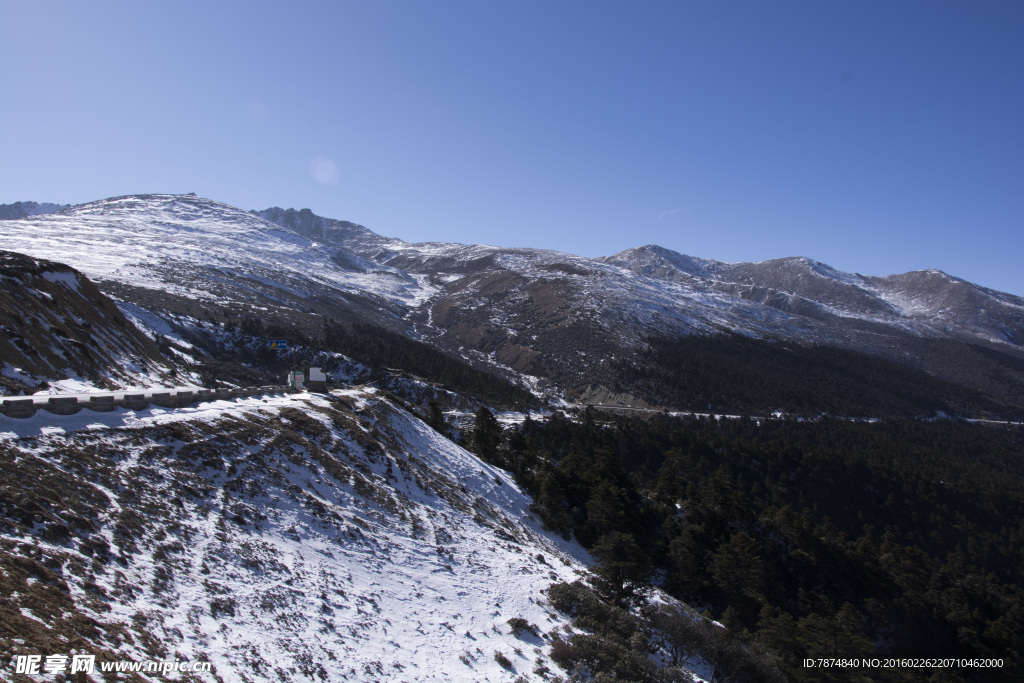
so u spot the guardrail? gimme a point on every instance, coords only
(69, 405)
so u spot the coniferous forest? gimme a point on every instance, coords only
(730, 372)
(808, 539)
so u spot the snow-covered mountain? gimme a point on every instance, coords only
(929, 303)
(336, 536)
(551, 320)
(23, 209)
(181, 251)
(565, 320)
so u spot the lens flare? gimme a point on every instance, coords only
(324, 170)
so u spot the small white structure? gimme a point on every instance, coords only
(296, 380)
(317, 380)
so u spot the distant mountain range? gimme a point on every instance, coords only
(561, 324)
(23, 209)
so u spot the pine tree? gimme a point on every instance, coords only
(737, 567)
(435, 417)
(551, 504)
(605, 512)
(623, 569)
(486, 435)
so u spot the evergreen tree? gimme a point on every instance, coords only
(605, 513)
(551, 504)
(435, 417)
(622, 568)
(737, 568)
(486, 435)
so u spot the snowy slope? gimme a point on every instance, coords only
(208, 252)
(531, 295)
(654, 289)
(294, 538)
(925, 303)
(220, 256)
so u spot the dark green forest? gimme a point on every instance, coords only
(825, 538)
(730, 372)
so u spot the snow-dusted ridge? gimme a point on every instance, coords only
(58, 331)
(928, 303)
(516, 311)
(180, 243)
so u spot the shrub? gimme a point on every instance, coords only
(219, 606)
(599, 655)
(563, 653)
(594, 655)
(520, 626)
(589, 612)
(685, 635)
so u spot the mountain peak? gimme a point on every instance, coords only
(308, 224)
(659, 262)
(24, 209)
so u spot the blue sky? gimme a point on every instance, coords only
(878, 137)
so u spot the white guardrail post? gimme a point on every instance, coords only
(69, 405)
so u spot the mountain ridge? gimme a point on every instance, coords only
(549, 320)
(58, 330)
(25, 209)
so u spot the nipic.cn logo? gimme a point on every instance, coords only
(55, 664)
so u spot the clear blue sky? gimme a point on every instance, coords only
(878, 137)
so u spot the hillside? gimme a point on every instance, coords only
(295, 538)
(58, 330)
(574, 323)
(809, 539)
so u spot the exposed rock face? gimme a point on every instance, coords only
(23, 209)
(56, 325)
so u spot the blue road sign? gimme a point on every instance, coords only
(280, 344)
